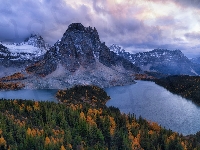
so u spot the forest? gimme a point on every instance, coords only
(11, 85)
(79, 94)
(183, 85)
(66, 125)
(15, 76)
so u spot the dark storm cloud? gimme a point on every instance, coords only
(127, 32)
(193, 35)
(49, 18)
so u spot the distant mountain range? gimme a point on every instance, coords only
(78, 58)
(170, 62)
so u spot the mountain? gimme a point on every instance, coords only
(16, 54)
(195, 60)
(80, 58)
(172, 62)
(120, 51)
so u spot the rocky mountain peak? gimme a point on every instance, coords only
(117, 49)
(33, 36)
(36, 41)
(81, 52)
(76, 26)
(78, 33)
(79, 46)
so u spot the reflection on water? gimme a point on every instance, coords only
(157, 104)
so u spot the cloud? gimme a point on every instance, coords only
(182, 3)
(49, 18)
(190, 3)
(140, 25)
(193, 35)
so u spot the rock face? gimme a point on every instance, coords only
(172, 62)
(80, 58)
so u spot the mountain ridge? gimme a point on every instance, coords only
(170, 62)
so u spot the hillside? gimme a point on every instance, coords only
(48, 125)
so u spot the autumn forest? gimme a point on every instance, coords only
(82, 124)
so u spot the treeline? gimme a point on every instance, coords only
(48, 125)
(184, 85)
(11, 85)
(15, 76)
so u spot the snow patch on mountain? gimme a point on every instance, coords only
(24, 51)
(23, 48)
(117, 49)
(32, 47)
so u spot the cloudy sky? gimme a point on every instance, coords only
(137, 25)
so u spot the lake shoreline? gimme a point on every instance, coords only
(143, 98)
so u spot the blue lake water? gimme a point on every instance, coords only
(155, 103)
(37, 95)
(144, 98)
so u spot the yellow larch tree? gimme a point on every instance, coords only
(28, 131)
(112, 125)
(2, 141)
(47, 141)
(82, 115)
(36, 106)
(62, 147)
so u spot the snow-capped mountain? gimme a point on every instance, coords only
(80, 58)
(31, 49)
(160, 60)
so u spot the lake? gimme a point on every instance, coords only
(37, 95)
(155, 103)
(144, 98)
